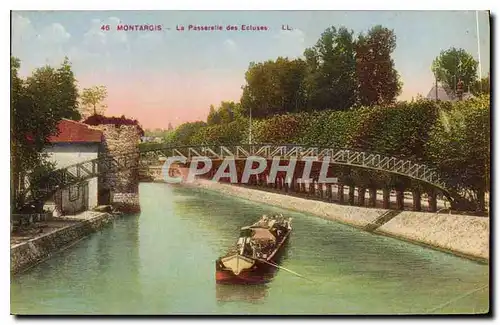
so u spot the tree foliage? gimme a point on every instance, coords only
(92, 100)
(183, 134)
(340, 71)
(378, 80)
(37, 105)
(273, 87)
(331, 66)
(454, 65)
(481, 87)
(459, 144)
(227, 112)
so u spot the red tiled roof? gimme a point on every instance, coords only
(72, 131)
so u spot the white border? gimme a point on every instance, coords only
(189, 5)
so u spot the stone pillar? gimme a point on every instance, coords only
(361, 196)
(432, 201)
(481, 200)
(329, 192)
(311, 187)
(400, 199)
(373, 197)
(321, 190)
(120, 184)
(417, 204)
(386, 198)
(303, 187)
(340, 193)
(351, 194)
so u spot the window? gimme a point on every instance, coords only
(74, 192)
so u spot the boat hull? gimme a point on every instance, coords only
(261, 272)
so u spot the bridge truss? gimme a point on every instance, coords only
(77, 173)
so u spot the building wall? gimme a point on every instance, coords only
(75, 199)
(66, 154)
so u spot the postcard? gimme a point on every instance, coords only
(250, 163)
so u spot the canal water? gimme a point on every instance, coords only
(162, 262)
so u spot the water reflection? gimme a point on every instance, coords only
(233, 292)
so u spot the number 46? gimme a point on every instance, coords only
(105, 27)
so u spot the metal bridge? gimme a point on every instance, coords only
(77, 173)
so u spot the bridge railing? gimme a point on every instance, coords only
(79, 172)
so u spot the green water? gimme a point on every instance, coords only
(162, 262)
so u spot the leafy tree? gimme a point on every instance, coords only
(37, 105)
(452, 66)
(92, 100)
(481, 87)
(459, 145)
(221, 134)
(227, 112)
(273, 87)
(213, 116)
(378, 80)
(67, 91)
(331, 68)
(183, 133)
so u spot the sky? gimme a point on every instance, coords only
(170, 76)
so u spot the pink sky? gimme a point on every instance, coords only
(156, 100)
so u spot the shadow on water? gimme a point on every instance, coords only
(234, 292)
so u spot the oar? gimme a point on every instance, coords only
(285, 269)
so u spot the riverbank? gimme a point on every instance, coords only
(56, 235)
(466, 236)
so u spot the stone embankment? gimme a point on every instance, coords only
(29, 252)
(466, 236)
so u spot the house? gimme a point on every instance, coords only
(76, 142)
(443, 96)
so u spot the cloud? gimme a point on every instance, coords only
(230, 45)
(290, 42)
(37, 48)
(23, 34)
(55, 33)
(96, 38)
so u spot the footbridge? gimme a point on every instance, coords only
(77, 173)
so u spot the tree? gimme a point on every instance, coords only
(331, 71)
(273, 87)
(481, 87)
(183, 133)
(227, 112)
(213, 116)
(92, 100)
(452, 66)
(170, 128)
(459, 145)
(378, 80)
(37, 105)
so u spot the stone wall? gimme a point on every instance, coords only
(466, 236)
(34, 251)
(121, 142)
